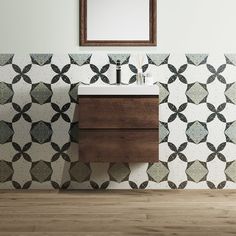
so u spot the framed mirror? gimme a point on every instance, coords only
(118, 22)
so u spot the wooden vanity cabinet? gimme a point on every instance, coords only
(118, 128)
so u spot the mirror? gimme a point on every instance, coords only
(118, 22)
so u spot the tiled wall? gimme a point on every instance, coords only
(38, 121)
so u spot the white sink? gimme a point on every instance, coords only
(118, 90)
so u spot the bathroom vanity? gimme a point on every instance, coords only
(118, 123)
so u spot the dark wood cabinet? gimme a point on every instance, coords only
(118, 128)
(118, 112)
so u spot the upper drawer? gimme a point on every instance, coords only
(118, 112)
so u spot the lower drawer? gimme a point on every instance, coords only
(118, 145)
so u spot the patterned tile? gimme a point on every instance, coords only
(6, 59)
(6, 132)
(21, 152)
(138, 175)
(177, 152)
(158, 172)
(22, 179)
(164, 93)
(124, 58)
(60, 152)
(21, 74)
(39, 124)
(230, 93)
(73, 132)
(216, 152)
(178, 112)
(119, 172)
(230, 171)
(99, 74)
(60, 112)
(158, 59)
(21, 112)
(216, 73)
(80, 59)
(197, 93)
(41, 171)
(41, 132)
(41, 93)
(163, 132)
(41, 59)
(6, 171)
(61, 73)
(230, 132)
(196, 132)
(216, 112)
(230, 59)
(197, 171)
(73, 93)
(177, 73)
(80, 172)
(6, 93)
(197, 59)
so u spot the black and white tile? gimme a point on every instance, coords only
(39, 123)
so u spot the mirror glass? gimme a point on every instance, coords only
(118, 22)
(118, 19)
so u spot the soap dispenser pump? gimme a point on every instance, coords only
(118, 72)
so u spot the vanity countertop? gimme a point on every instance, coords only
(118, 90)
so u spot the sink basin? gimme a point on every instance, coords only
(118, 90)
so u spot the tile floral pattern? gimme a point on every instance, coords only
(39, 122)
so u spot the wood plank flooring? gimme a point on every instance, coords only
(107, 213)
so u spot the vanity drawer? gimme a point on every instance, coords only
(118, 145)
(118, 112)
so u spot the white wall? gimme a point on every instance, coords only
(53, 26)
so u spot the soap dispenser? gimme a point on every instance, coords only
(118, 72)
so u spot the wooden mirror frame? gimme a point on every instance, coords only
(152, 30)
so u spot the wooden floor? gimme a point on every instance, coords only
(107, 213)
